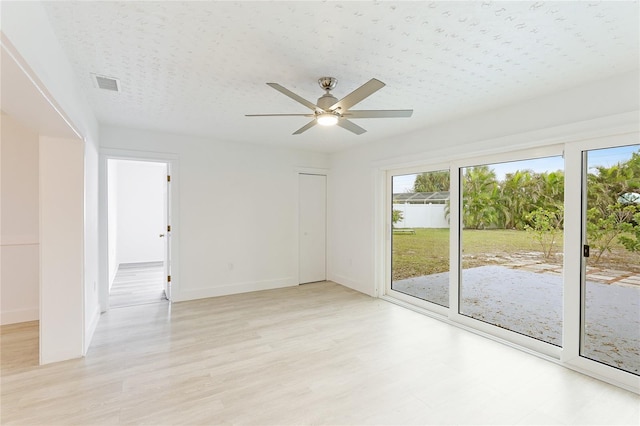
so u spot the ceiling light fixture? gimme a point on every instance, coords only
(327, 119)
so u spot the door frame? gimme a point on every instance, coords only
(388, 267)
(451, 314)
(572, 147)
(530, 343)
(296, 223)
(173, 210)
(572, 310)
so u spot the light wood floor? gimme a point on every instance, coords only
(137, 284)
(313, 354)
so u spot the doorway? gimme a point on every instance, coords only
(138, 232)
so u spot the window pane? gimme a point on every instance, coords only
(611, 291)
(511, 240)
(420, 236)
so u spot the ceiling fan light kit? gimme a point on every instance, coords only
(329, 111)
(327, 119)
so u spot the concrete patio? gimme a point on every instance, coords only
(527, 298)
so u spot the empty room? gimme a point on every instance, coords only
(320, 212)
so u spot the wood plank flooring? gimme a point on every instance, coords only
(313, 354)
(137, 284)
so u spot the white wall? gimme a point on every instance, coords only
(19, 239)
(61, 249)
(91, 243)
(26, 26)
(356, 183)
(140, 209)
(422, 216)
(238, 210)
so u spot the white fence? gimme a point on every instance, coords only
(422, 216)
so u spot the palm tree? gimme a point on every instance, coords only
(480, 198)
(607, 184)
(432, 182)
(517, 193)
(609, 216)
(551, 196)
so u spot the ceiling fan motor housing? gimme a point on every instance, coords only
(327, 100)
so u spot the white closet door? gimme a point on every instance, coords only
(312, 227)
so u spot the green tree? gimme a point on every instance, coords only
(432, 182)
(632, 243)
(546, 227)
(612, 215)
(516, 199)
(603, 231)
(551, 190)
(481, 196)
(396, 216)
(607, 184)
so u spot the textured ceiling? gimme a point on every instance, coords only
(197, 67)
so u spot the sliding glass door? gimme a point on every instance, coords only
(420, 236)
(538, 247)
(610, 291)
(512, 247)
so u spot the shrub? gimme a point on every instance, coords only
(396, 216)
(545, 227)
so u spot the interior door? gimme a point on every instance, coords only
(312, 233)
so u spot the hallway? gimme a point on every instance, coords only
(137, 284)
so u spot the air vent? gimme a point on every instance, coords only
(106, 83)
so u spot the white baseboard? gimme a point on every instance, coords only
(349, 282)
(19, 315)
(236, 288)
(63, 355)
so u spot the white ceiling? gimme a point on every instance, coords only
(197, 67)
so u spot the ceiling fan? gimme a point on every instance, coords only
(330, 111)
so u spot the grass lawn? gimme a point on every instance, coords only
(427, 252)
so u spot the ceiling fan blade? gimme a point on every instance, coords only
(389, 113)
(350, 126)
(279, 115)
(305, 127)
(367, 89)
(295, 97)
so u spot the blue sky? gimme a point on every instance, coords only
(611, 156)
(602, 157)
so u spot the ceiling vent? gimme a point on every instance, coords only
(106, 83)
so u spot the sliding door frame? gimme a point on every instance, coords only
(573, 255)
(423, 304)
(569, 354)
(456, 248)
